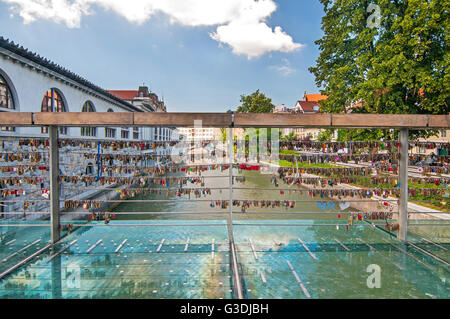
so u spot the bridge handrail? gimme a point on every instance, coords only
(238, 120)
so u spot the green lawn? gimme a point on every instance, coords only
(288, 152)
(284, 163)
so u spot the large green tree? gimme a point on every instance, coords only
(256, 102)
(400, 66)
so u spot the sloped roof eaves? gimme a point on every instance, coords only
(123, 94)
(308, 106)
(315, 97)
(25, 53)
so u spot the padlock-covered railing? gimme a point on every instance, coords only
(368, 183)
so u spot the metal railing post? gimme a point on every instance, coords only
(55, 218)
(403, 180)
(236, 276)
(230, 180)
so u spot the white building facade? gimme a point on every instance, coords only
(30, 83)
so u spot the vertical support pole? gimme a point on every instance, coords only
(236, 277)
(403, 179)
(56, 276)
(231, 161)
(54, 185)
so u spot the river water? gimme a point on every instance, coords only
(257, 187)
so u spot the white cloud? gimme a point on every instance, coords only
(254, 39)
(59, 11)
(240, 23)
(286, 69)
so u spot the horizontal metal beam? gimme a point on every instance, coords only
(84, 119)
(281, 120)
(379, 120)
(241, 120)
(16, 118)
(183, 119)
(439, 121)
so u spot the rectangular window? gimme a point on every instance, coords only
(89, 131)
(62, 130)
(444, 133)
(125, 134)
(110, 133)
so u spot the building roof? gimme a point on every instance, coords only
(309, 107)
(315, 97)
(124, 94)
(281, 108)
(34, 57)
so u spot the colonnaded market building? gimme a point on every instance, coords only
(31, 83)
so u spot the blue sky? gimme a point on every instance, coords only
(194, 72)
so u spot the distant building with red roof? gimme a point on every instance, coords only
(142, 98)
(314, 97)
(307, 107)
(310, 104)
(124, 95)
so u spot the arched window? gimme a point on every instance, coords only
(110, 132)
(6, 100)
(53, 102)
(88, 131)
(90, 169)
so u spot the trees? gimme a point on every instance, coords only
(402, 66)
(289, 138)
(326, 135)
(256, 102)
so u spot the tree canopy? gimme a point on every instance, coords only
(400, 66)
(256, 102)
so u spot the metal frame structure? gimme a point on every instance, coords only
(225, 120)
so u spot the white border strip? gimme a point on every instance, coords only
(253, 249)
(120, 246)
(307, 249)
(93, 246)
(345, 247)
(299, 281)
(62, 250)
(160, 245)
(17, 252)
